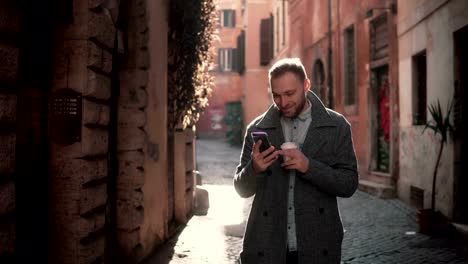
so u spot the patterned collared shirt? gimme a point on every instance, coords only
(295, 130)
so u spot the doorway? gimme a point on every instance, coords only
(380, 120)
(234, 121)
(460, 96)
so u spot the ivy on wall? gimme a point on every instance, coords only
(191, 31)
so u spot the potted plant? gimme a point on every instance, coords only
(432, 221)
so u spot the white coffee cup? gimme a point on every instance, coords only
(288, 145)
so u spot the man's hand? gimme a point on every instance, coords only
(294, 159)
(262, 160)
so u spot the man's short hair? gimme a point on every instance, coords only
(293, 65)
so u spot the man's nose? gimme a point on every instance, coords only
(284, 103)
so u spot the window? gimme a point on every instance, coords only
(228, 18)
(419, 88)
(227, 59)
(266, 40)
(279, 27)
(349, 67)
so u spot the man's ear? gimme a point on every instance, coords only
(306, 85)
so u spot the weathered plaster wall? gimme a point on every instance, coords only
(154, 227)
(427, 25)
(256, 97)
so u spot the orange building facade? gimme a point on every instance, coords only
(350, 50)
(223, 117)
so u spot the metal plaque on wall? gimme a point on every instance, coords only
(65, 119)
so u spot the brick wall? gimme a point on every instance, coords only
(9, 50)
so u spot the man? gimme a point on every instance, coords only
(294, 216)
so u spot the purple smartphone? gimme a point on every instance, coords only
(256, 135)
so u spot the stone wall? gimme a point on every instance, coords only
(131, 135)
(124, 115)
(83, 62)
(9, 51)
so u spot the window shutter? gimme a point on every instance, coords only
(229, 60)
(263, 42)
(235, 60)
(379, 38)
(241, 52)
(220, 16)
(271, 41)
(220, 59)
(266, 40)
(233, 15)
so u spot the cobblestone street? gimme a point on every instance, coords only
(376, 231)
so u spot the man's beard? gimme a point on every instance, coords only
(298, 110)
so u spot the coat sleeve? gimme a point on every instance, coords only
(245, 181)
(340, 178)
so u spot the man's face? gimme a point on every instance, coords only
(288, 93)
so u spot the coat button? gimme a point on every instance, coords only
(321, 210)
(260, 254)
(265, 213)
(269, 172)
(325, 252)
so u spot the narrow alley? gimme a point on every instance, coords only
(120, 118)
(376, 230)
(216, 237)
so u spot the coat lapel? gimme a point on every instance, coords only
(315, 138)
(271, 124)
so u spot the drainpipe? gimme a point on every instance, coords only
(331, 104)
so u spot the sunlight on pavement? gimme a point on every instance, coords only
(201, 241)
(226, 207)
(216, 237)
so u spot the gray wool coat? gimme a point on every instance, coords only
(332, 173)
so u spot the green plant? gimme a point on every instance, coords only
(442, 125)
(190, 57)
